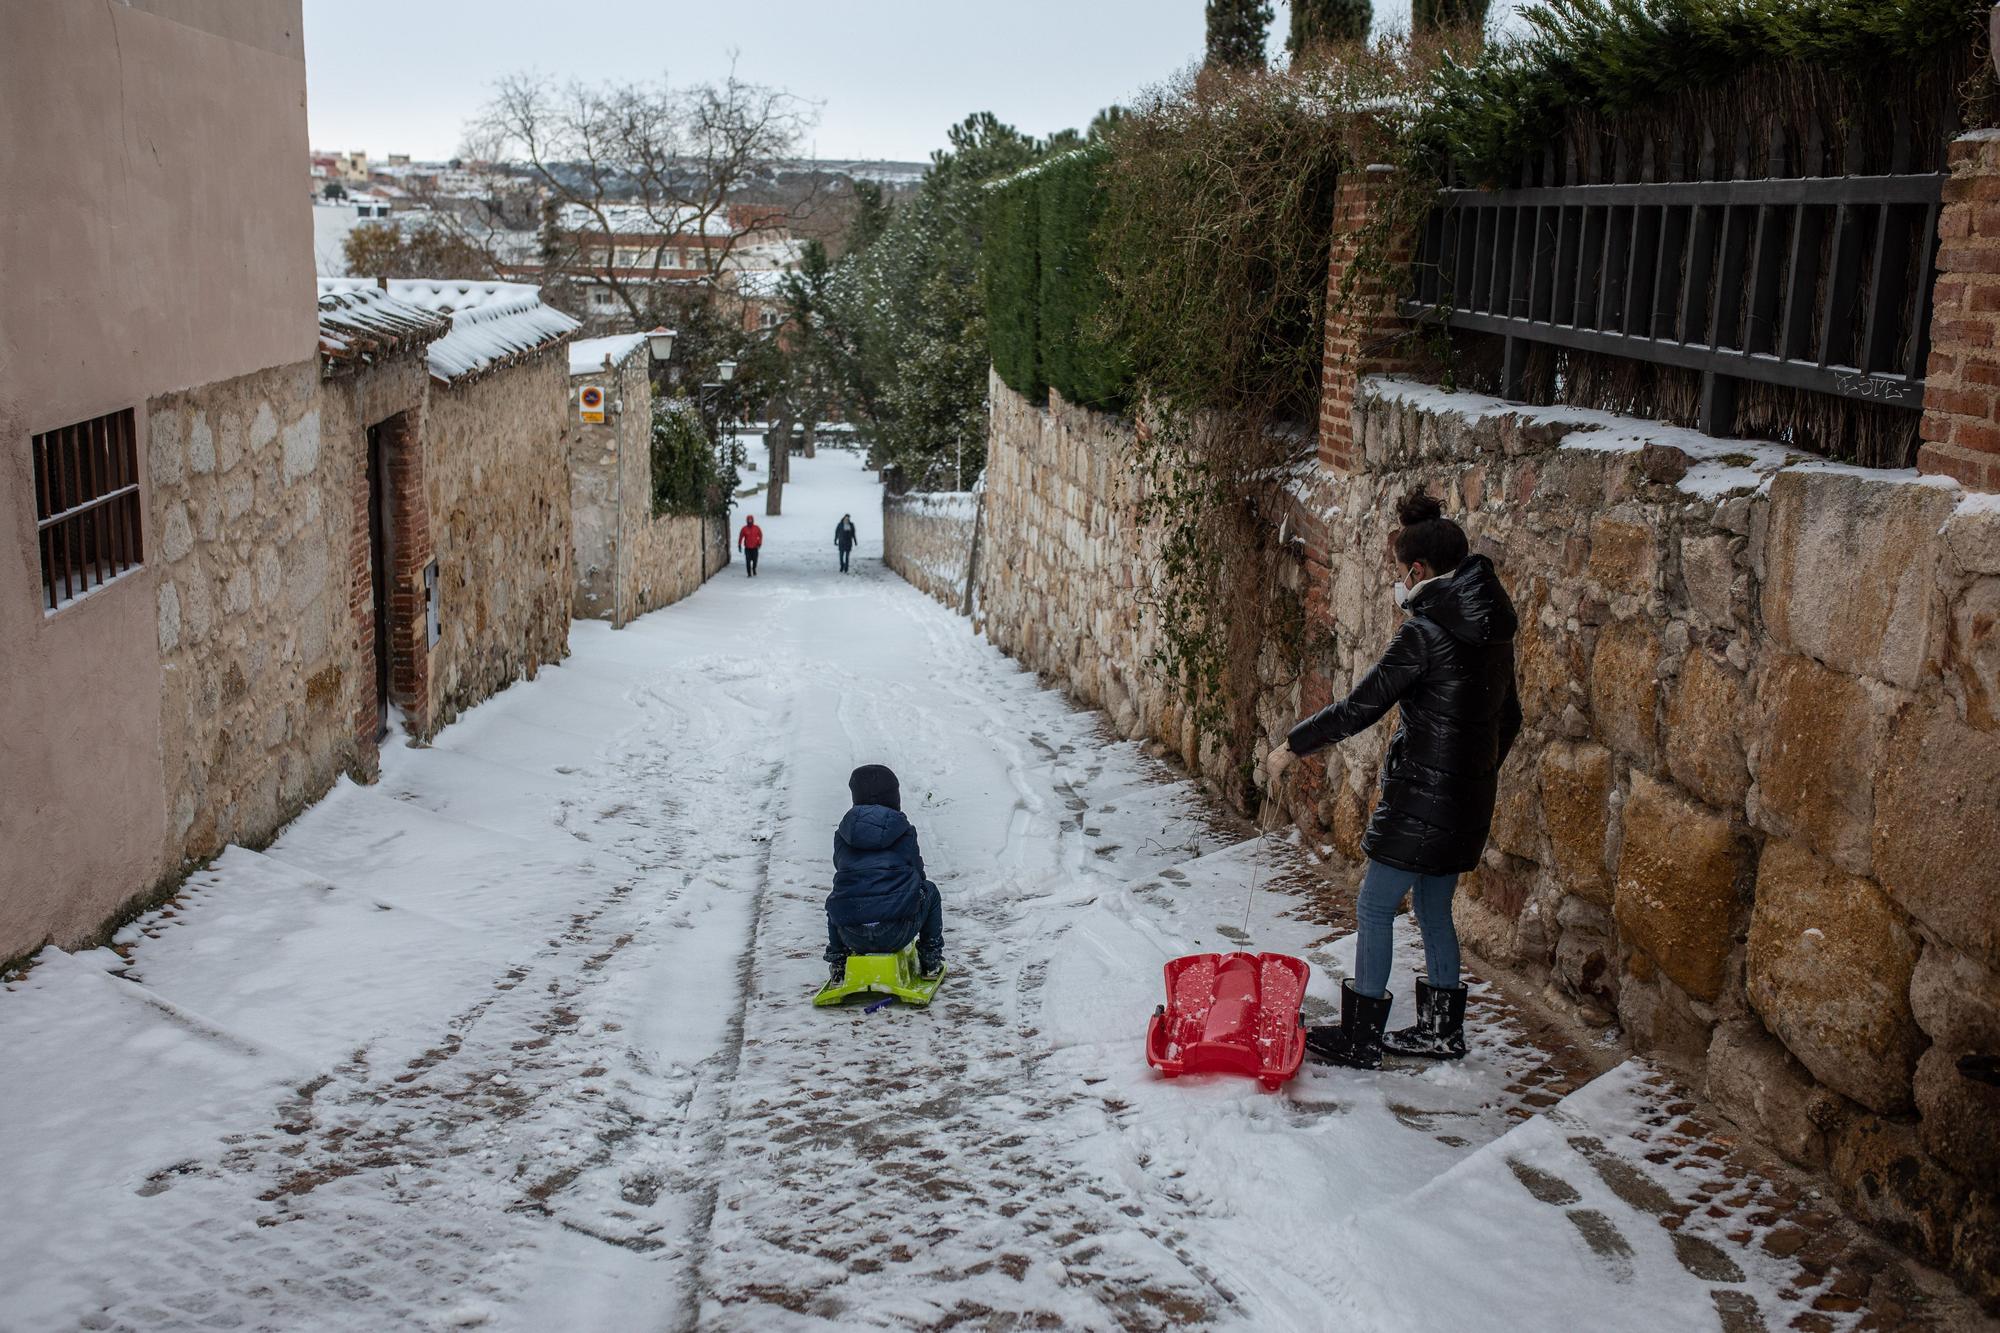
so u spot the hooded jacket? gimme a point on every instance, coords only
(843, 534)
(1450, 667)
(878, 873)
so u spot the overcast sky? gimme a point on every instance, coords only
(403, 76)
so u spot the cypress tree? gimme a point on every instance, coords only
(1431, 15)
(1236, 31)
(1317, 22)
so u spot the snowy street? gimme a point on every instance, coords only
(520, 1038)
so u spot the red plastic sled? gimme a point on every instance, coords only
(1231, 1013)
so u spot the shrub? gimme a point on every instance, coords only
(687, 478)
(1615, 57)
(1045, 285)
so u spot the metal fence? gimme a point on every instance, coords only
(1818, 283)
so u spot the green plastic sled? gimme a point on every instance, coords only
(893, 974)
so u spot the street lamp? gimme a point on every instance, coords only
(726, 369)
(661, 340)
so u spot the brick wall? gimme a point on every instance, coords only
(1961, 432)
(1364, 335)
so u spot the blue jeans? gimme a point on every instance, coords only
(843, 557)
(927, 929)
(1382, 890)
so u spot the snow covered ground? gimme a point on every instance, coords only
(519, 1038)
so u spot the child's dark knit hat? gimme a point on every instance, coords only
(875, 784)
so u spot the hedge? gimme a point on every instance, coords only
(1045, 285)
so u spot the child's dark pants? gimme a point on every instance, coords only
(888, 936)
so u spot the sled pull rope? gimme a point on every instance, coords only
(1253, 889)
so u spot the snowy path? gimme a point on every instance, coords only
(519, 1038)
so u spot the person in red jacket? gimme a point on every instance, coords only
(749, 540)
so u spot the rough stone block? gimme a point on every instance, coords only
(1625, 690)
(1817, 752)
(1850, 560)
(1678, 893)
(1937, 828)
(1972, 654)
(1757, 1083)
(1829, 971)
(1586, 949)
(1515, 829)
(1955, 1000)
(1624, 553)
(1710, 577)
(1884, 1175)
(1657, 1016)
(1705, 732)
(1959, 1117)
(1549, 667)
(1576, 786)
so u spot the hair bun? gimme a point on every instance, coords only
(1418, 507)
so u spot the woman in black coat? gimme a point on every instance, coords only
(1450, 669)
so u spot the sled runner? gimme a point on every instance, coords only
(892, 974)
(1231, 1013)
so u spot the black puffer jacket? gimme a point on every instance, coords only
(1451, 667)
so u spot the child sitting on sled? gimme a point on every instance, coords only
(880, 900)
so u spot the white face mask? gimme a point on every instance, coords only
(1401, 592)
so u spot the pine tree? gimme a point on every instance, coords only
(1317, 22)
(1432, 15)
(1236, 31)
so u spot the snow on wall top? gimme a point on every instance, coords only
(588, 357)
(360, 323)
(492, 323)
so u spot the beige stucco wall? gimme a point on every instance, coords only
(497, 476)
(618, 540)
(152, 238)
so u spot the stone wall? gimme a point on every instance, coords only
(1754, 815)
(928, 539)
(1065, 562)
(617, 539)
(497, 484)
(250, 538)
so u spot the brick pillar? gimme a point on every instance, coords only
(412, 548)
(361, 606)
(1961, 435)
(1364, 334)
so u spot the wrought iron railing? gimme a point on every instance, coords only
(1816, 283)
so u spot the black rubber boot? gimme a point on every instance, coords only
(1439, 1033)
(1357, 1042)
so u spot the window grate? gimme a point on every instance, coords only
(87, 505)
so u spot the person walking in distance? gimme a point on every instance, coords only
(843, 539)
(1450, 668)
(749, 540)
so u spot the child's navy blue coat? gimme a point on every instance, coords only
(877, 870)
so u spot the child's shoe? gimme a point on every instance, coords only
(930, 967)
(836, 972)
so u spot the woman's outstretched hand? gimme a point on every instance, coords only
(1276, 762)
